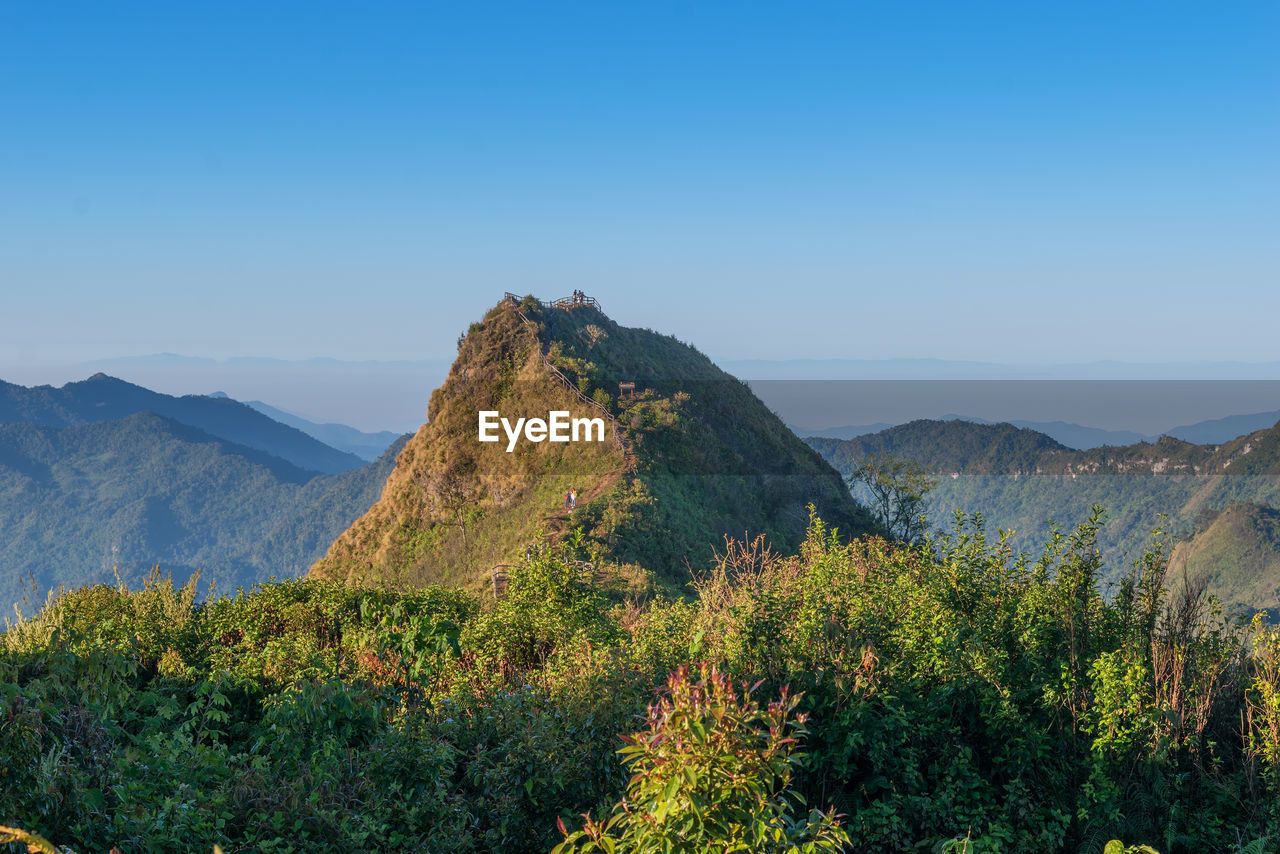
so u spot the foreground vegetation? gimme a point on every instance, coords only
(865, 696)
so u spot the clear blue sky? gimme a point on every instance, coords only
(1021, 181)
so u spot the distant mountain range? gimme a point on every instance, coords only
(369, 395)
(958, 369)
(104, 398)
(1215, 431)
(1212, 432)
(367, 446)
(849, 431)
(103, 477)
(965, 448)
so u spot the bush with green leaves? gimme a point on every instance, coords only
(711, 772)
(551, 604)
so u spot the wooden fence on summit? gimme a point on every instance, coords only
(499, 577)
(580, 301)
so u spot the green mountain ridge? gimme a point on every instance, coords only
(104, 398)
(79, 504)
(965, 447)
(1021, 481)
(948, 446)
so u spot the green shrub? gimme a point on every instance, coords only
(957, 697)
(551, 604)
(710, 772)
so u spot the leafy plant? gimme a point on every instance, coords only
(415, 646)
(711, 772)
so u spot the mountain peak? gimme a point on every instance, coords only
(688, 455)
(101, 379)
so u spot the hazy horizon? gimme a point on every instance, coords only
(815, 394)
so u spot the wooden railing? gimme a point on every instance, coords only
(582, 301)
(573, 387)
(498, 575)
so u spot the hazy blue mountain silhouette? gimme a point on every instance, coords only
(847, 431)
(1219, 430)
(1216, 431)
(367, 446)
(104, 398)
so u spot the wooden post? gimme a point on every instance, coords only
(499, 576)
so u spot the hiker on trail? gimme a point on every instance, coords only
(568, 500)
(573, 499)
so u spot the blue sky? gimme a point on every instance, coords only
(1014, 182)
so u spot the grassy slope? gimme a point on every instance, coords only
(1238, 552)
(704, 458)
(714, 459)
(454, 507)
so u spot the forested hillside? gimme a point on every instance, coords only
(1236, 551)
(104, 398)
(79, 504)
(1022, 481)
